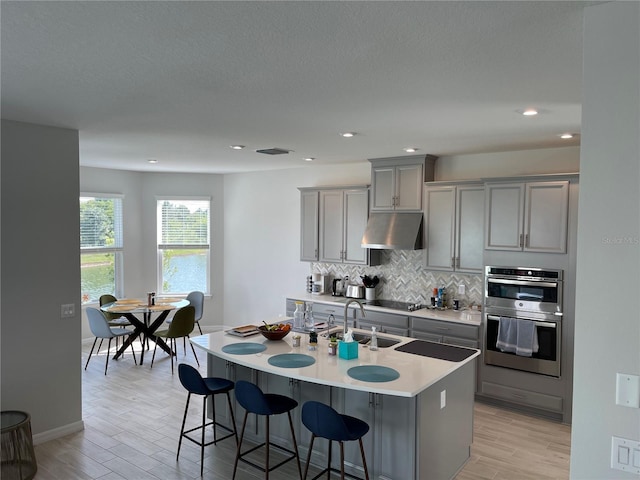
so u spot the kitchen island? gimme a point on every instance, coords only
(421, 422)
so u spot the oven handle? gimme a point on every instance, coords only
(537, 324)
(522, 282)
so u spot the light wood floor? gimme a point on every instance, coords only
(132, 419)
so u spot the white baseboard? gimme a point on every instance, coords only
(58, 432)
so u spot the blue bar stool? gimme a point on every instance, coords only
(251, 398)
(193, 382)
(323, 421)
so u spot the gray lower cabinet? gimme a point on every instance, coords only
(392, 423)
(445, 332)
(552, 403)
(384, 322)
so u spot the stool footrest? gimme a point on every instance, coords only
(260, 467)
(212, 442)
(335, 470)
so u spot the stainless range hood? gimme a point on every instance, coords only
(393, 231)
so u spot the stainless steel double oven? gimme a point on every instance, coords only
(528, 294)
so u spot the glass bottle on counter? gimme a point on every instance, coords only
(298, 317)
(309, 321)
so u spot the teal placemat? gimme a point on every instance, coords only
(244, 348)
(291, 360)
(373, 373)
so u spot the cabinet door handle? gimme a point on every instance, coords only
(526, 240)
(453, 262)
(457, 262)
(521, 241)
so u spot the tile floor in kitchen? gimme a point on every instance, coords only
(132, 419)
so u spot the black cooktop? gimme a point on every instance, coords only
(441, 351)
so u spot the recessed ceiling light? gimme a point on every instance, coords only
(410, 149)
(348, 134)
(152, 160)
(309, 159)
(567, 136)
(237, 147)
(530, 112)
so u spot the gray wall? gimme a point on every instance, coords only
(607, 330)
(41, 364)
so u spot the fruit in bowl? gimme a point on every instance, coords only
(276, 331)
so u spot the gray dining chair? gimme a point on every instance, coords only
(100, 328)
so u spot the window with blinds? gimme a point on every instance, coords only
(183, 244)
(101, 246)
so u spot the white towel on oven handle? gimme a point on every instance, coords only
(517, 336)
(526, 338)
(507, 334)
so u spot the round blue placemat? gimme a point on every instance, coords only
(244, 348)
(291, 360)
(373, 373)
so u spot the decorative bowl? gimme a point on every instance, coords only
(276, 332)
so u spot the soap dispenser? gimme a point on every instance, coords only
(373, 344)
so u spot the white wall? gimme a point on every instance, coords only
(41, 357)
(262, 237)
(607, 330)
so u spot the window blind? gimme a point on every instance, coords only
(100, 222)
(183, 223)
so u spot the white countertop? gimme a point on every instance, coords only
(466, 316)
(416, 372)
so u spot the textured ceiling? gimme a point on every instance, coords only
(181, 81)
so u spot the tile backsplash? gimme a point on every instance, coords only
(403, 277)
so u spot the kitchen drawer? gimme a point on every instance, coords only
(524, 397)
(445, 328)
(323, 311)
(431, 337)
(380, 318)
(403, 332)
(461, 342)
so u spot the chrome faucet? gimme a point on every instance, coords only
(346, 305)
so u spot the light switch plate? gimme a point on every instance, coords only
(67, 310)
(628, 390)
(443, 399)
(625, 455)
(462, 289)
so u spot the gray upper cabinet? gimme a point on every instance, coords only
(333, 221)
(343, 219)
(530, 217)
(454, 219)
(397, 182)
(309, 225)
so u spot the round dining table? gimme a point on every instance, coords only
(145, 327)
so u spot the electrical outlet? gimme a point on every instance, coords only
(443, 399)
(67, 310)
(462, 289)
(625, 455)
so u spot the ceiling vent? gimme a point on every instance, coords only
(273, 151)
